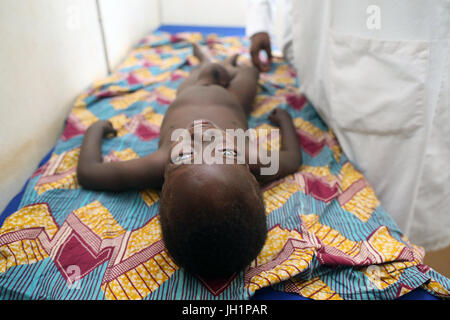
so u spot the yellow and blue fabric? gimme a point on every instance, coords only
(328, 237)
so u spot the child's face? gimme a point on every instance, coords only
(201, 182)
(203, 142)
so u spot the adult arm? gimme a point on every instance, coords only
(259, 25)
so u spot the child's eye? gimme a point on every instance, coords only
(183, 157)
(229, 153)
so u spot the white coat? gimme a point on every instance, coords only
(378, 73)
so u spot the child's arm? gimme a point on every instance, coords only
(93, 173)
(290, 155)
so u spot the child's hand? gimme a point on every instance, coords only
(106, 128)
(278, 116)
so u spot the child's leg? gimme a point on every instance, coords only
(244, 86)
(200, 54)
(194, 74)
(241, 81)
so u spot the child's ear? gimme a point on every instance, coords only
(252, 177)
(166, 173)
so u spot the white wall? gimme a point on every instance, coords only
(203, 12)
(50, 51)
(229, 13)
(125, 22)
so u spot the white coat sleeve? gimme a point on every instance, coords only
(259, 16)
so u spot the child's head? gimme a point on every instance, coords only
(212, 217)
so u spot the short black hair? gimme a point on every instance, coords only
(218, 240)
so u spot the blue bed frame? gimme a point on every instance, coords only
(265, 293)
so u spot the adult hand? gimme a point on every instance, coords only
(261, 42)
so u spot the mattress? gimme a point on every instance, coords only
(328, 237)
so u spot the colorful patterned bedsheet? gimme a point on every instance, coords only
(328, 236)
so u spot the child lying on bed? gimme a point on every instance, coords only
(212, 214)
